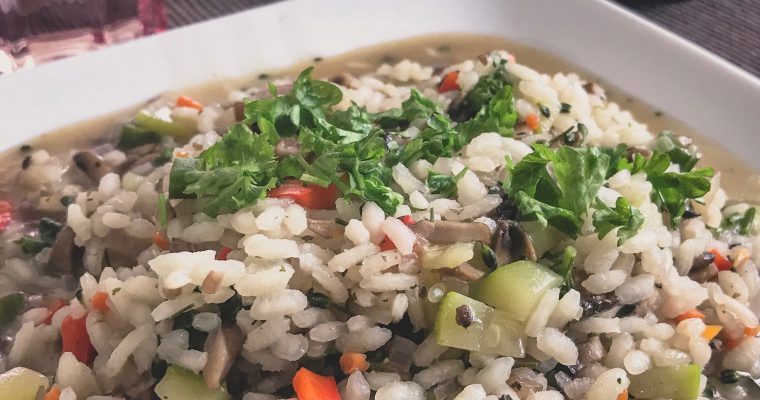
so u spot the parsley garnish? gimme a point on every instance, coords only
(444, 184)
(231, 174)
(48, 230)
(741, 223)
(623, 216)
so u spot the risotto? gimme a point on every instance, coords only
(478, 231)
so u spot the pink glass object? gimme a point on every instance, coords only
(36, 31)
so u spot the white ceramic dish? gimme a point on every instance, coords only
(647, 62)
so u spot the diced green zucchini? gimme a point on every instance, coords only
(22, 384)
(488, 330)
(677, 382)
(165, 125)
(515, 288)
(451, 256)
(135, 136)
(10, 307)
(448, 332)
(181, 384)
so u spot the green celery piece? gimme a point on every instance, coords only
(515, 288)
(674, 382)
(181, 384)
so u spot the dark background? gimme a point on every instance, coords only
(729, 28)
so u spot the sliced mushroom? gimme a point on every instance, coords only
(222, 346)
(122, 249)
(65, 256)
(327, 228)
(92, 165)
(239, 111)
(594, 89)
(465, 272)
(450, 232)
(179, 245)
(511, 243)
(287, 146)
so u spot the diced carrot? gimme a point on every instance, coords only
(449, 82)
(309, 196)
(54, 305)
(407, 220)
(76, 340)
(711, 331)
(693, 313)
(351, 361)
(532, 121)
(184, 101)
(223, 253)
(730, 343)
(6, 214)
(751, 331)
(310, 386)
(99, 302)
(160, 241)
(623, 395)
(53, 394)
(182, 154)
(721, 262)
(387, 244)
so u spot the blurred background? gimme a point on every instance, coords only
(37, 31)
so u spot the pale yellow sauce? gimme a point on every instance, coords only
(741, 181)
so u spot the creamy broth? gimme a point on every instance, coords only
(741, 181)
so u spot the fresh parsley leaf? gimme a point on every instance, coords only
(563, 266)
(628, 219)
(305, 105)
(134, 136)
(617, 157)
(684, 155)
(488, 87)
(415, 107)
(233, 173)
(671, 190)
(560, 200)
(488, 107)
(444, 184)
(437, 139)
(162, 211)
(741, 223)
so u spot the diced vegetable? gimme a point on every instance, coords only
(449, 82)
(100, 302)
(675, 382)
(6, 214)
(515, 288)
(623, 395)
(468, 324)
(451, 256)
(532, 121)
(54, 305)
(387, 244)
(184, 101)
(351, 361)
(160, 240)
(53, 394)
(691, 313)
(223, 253)
(164, 126)
(22, 384)
(309, 196)
(711, 331)
(76, 340)
(721, 262)
(310, 386)
(10, 307)
(181, 384)
(134, 136)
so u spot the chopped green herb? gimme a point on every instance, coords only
(685, 156)
(565, 108)
(625, 310)
(162, 211)
(564, 265)
(233, 173)
(562, 199)
(741, 223)
(133, 136)
(10, 307)
(444, 184)
(47, 232)
(628, 219)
